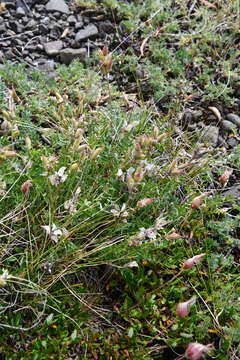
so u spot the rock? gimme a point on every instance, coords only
(57, 5)
(53, 47)
(16, 26)
(2, 28)
(235, 119)
(87, 32)
(232, 142)
(43, 29)
(233, 193)
(20, 11)
(68, 55)
(228, 126)
(210, 134)
(71, 20)
(46, 65)
(31, 24)
(106, 27)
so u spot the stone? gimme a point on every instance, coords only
(233, 193)
(31, 24)
(71, 20)
(232, 142)
(210, 135)
(106, 27)
(20, 11)
(53, 47)
(2, 28)
(68, 55)
(87, 32)
(228, 126)
(57, 5)
(46, 65)
(43, 29)
(78, 25)
(235, 119)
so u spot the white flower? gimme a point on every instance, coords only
(59, 177)
(71, 204)
(4, 277)
(53, 232)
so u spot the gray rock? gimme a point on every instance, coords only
(228, 126)
(57, 5)
(88, 31)
(210, 135)
(232, 142)
(2, 28)
(20, 11)
(233, 193)
(78, 25)
(235, 119)
(71, 20)
(53, 47)
(46, 65)
(68, 55)
(31, 24)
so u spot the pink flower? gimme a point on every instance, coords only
(26, 186)
(184, 308)
(195, 351)
(189, 263)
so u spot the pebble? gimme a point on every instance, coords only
(53, 47)
(210, 135)
(228, 126)
(89, 31)
(57, 5)
(235, 119)
(69, 54)
(232, 142)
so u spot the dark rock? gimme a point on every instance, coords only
(16, 26)
(234, 194)
(68, 55)
(2, 28)
(53, 47)
(106, 27)
(228, 126)
(43, 29)
(235, 119)
(57, 5)
(87, 32)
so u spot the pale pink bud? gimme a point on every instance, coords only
(144, 202)
(26, 186)
(195, 351)
(189, 263)
(183, 309)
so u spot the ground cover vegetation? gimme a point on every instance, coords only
(117, 241)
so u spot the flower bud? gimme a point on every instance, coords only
(195, 351)
(183, 309)
(223, 179)
(144, 202)
(26, 186)
(188, 264)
